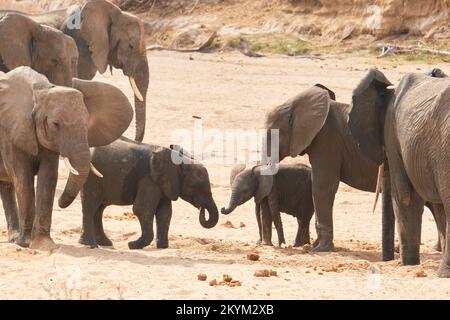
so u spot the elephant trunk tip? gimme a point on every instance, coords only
(226, 210)
(65, 201)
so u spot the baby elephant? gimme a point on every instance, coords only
(288, 191)
(144, 176)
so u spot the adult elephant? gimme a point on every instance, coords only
(24, 42)
(409, 129)
(38, 122)
(314, 123)
(105, 35)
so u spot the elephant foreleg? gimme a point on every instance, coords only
(266, 223)
(45, 194)
(24, 186)
(100, 236)
(302, 237)
(163, 217)
(272, 200)
(258, 221)
(388, 219)
(324, 190)
(10, 208)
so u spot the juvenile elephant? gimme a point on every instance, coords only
(144, 176)
(38, 122)
(288, 191)
(106, 35)
(314, 123)
(409, 129)
(24, 42)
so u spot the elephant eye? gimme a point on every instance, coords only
(131, 46)
(55, 125)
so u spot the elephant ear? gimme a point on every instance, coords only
(110, 112)
(96, 18)
(309, 113)
(330, 93)
(369, 101)
(16, 39)
(165, 173)
(265, 184)
(235, 171)
(16, 107)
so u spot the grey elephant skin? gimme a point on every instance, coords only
(38, 122)
(144, 176)
(409, 129)
(313, 123)
(106, 36)
(24, 42)
(289, 191)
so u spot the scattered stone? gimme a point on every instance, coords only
(265, 273)
(202, 277)
(213, 283)
(252, 256)
(229, 225)
(242, 225)
(421, 274)
(227, 278)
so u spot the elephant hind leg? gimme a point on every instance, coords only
(163, 217)
(90, 206)
(100, 236)
(444, 268)
(439, 216)
(10, 207)
(302, 237)
(146, 222)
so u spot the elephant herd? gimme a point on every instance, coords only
(393, 140)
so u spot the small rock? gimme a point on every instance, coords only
(421, 274)
(227, 278)
(202, 277)
(242, 225)
(228, 224)
(252, 256)
(213, 283)
(265, 273)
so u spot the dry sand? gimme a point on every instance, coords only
(229, 92)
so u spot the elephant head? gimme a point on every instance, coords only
(23, 42)
(116, 38)
(370, 100)
(246, 184)
(36, 114)
(189, 181)
(299, 120)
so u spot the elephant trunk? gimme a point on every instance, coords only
(80, 161)
(233, 202)
(213, 213)
(141, 77)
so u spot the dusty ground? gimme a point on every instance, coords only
(229, 92)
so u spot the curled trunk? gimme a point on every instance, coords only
(80, 161)
(232, 204)
(213, 216)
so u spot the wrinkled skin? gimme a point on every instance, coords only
(108, 36)
(39, 122)
(288, 191)
(24, 42)
(408, 128)
(144, 176)
(313, 123)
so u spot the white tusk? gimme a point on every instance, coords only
(378, 188)
(69, 166)
(136, 91)
(95, 171)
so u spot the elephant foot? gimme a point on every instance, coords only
(443, 271)
(13, 236)
(88, 241)
(104, 241)
(23, 240)
(411, 260)
(43, 243)
(267, 243)
(138, 244)
(437, 246)
(258, 242)
(162, 244)
(301, 243)
(323, 246)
